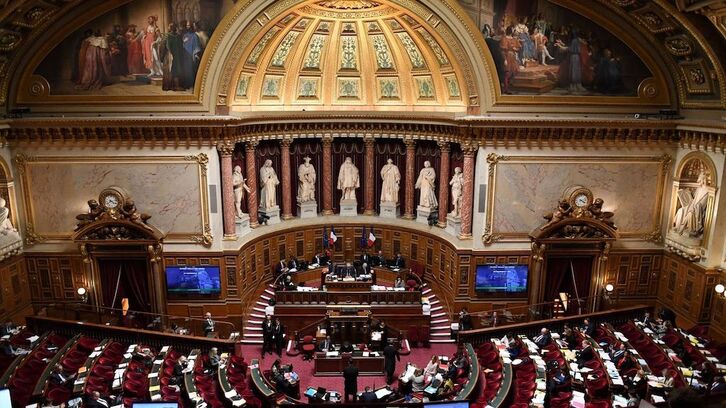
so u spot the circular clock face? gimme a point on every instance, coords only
(110, 201)
(581, 200)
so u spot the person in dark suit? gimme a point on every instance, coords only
(380, 260)
(350, 374)
(588, 328)
(177, 376)
(368, 395)
(318, 259)
(267, 327)
(292, 263)
(399, 262)
(618, 354)
(365, 258)
(95, 401)
(212, 363)
(278, 336)
(365, 269)
(281, 267)
(348, 271)
(569, 337)
(557, 380)
(208, 325)
(325, 344)
(544, 338)
(7, 328)
(626, 363)
(346, 347)
(59, 378)
(384, 332)
(390, 355)
(585, 354)
(647, 320)
(668, 315)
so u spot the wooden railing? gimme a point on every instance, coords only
(128, 336)
(18, 361)
(40, 385)
(320, 297)
(531, 329)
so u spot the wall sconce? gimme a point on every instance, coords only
(720, 289)
(83, 294)
(609, 288)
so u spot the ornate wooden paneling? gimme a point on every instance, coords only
(55, 278)
(14, 289)
(635, 275)
(687, 288)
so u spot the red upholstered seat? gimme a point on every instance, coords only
(307, 347)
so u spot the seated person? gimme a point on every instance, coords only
(399, 283)
(418, 383)
(380, 260)
(346, 347)
(432, 367)
(585, 354)
(557, 380)
(142, 355)
(626, 362)
(365, 258)
(212, 363)
(365, 270)
(617, 354)
(348, 271)
(94, 400)
(177, 376)
(319, 259)
(59, 378)
(281, 267)
(398, 262)
(326, 344)
(544, 338)
(7, 349)
(569, 336)
(8, 328)
(514, 347)
(293, 265)
(368, 395)
(668, 379)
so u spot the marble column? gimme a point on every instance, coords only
(286, 181)
(467, 195)
(410, 179)
(369, 174)
(250, 162)
(229, 212)
(327, 176)
(444, 184)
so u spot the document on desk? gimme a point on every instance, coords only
(383, 392)
(332, 354)
(231, 393)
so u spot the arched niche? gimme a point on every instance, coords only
(692, 205)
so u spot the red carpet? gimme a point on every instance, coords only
(305, 369)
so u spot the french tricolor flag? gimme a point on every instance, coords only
(333, 237)
(371, 238)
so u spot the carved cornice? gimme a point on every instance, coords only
(225, 148)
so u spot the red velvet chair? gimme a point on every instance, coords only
(307, 347)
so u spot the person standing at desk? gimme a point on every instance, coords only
(208, 326)
(391, 356)
(399, 262)
(267, 327)
(350, 373)
(278, 336)
(318, 259)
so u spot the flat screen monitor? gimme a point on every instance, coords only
(192, 280)
(501, 279)
(452, 404)
(5, 398)
(155, 405)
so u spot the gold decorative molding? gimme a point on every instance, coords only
(655, 236)
(494, 160)
(23, 162)
(205, 239)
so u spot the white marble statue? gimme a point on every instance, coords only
(306, 182)
(391, 180)
(691, 216)
(5, 224)
(268, 184)
(348, 179)
(240, 186)
(457, 186)
(426, 184)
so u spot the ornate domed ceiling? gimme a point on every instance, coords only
(343, 54)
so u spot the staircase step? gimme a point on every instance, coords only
(425, 291)
(435, 302)
(246, 335)
(254, 321)
(436, 308)
(442, 341)
(252, 328)
(439, 321)
(257, 315)
(441, 328)
(438, 314)
(265, 297)
(258, 309)
(440, 334)
(261, 303)
(248, 341)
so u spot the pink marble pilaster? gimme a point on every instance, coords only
(225, 150)
(410, 179)
(369, 171)
(444, 183)
(467, 195)
(286, 182)
(251, 182)
(327, 176)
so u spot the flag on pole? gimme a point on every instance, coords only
(325, 237)
(363, 238)
(333, 237)
(371, 238)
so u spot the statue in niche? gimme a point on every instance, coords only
(426, 184)
(240, 186)
(5, 224)
(457, 186)
(306, 182)
(391, 182)
(268, 183)
(691, 216)
(348, 179)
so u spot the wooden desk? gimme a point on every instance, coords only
(333, 366)
(349, 286)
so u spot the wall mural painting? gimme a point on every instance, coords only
(540, 48)
(143, 48)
